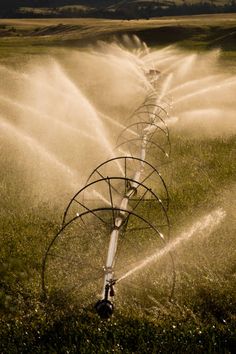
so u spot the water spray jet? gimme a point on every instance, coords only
(123, 185)
(127, 184)
(207, 224)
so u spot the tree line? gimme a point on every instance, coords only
(102, 8)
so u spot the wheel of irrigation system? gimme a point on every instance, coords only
(113, 228)
(74, 265)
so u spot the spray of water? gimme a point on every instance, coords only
(74, 105)
(35, 146)
(203, 91)
(101, 88)
(204, 227)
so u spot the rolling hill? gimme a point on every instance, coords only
(127, 9)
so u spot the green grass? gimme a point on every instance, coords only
(190, 32)
(202, 315)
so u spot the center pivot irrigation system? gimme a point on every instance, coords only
(119, 216)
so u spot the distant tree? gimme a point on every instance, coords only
(122, 9)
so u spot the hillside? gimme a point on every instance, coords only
(193, 33)
(127, 9)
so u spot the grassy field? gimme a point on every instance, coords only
(201, 317)
(193, 32)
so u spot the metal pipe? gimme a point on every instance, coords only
(119, 220)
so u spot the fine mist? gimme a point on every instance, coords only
(60, 116)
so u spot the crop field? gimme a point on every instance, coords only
(69, 87)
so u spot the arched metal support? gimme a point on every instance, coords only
(154, 96)
(148, 124)
(152, 116)
(94, 212)
(134, 185)
(128, 192)
(152, 143)
(153, 106)
(130, 158)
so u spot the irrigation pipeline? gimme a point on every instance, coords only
(146, 133)
(119, 220)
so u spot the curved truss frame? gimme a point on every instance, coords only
(151, 124)
(149, 141)
(108, 180)
(93, 212)
(152, 114)
(154, 94)
(125, 158)
(155, 106)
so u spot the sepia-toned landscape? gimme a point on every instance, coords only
(79, 99)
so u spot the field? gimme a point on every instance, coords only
(66, 84)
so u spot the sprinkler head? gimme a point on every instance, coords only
(104, 308)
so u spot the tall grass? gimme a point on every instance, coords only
(201, 318)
